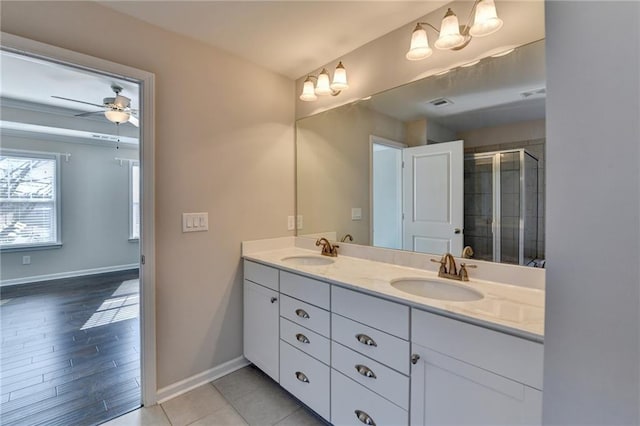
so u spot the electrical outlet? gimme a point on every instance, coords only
(26, 260)
(356, 213)
(291, 223)
(299, 222)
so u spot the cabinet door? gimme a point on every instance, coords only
(445, 391)
(261, 328)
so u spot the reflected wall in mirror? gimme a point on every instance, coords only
(486, 191)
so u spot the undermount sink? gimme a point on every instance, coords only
(436, 289)
(307, 260)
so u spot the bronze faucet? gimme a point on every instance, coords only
(347, 237)
(327, 248)
(449, 270)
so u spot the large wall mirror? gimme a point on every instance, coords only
(449, 161)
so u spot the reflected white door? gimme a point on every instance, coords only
(433, 198)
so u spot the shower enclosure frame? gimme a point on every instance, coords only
(496, 224)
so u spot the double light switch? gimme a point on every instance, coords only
(194, 222)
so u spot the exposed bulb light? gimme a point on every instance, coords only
(339, 78)
(450, 36)
(486, 20)
(308, 93)
(323, 84)
(419, 48)
(117, 116)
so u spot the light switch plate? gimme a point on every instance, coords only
(291, 223)
(356, 213)
(195, 222)
(299, 221)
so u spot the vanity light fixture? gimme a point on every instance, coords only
(322, 84)
(452, 35)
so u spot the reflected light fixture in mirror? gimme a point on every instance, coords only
(322, 85)
(452, 35)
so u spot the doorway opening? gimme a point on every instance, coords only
(73, 226)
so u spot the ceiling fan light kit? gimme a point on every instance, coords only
(452, 35)
(323, 84)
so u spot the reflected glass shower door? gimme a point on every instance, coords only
(501, 206)
(478, 206)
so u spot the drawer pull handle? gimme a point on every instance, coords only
(302, 338)
(302, 377)
(365, 418)
(302, 313)
(366, 340)
(414, 359)
(365, 371)
(274, 299)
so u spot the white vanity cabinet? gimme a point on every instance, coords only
(304, 340)
(261, 317)
(355, 358)
(369, 360)
(465, 374)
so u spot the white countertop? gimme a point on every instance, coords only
(508, 308)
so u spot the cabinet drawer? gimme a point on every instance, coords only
(375, 376)
(304, 314)
(350, 400)
(509, 356)
(261, 274)
(306, 378)
(382, 347)
(306, 340)
(384, 315)
(311, 291)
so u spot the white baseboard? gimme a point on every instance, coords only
(200, 379)
(70, 274)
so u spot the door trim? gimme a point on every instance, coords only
(146, 80)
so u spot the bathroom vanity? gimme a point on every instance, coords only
(337, 334)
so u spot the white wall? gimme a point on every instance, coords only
(219, 149)
(94, 204)
(592, 353)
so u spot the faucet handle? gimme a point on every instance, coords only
(464, 275)
(442, 262)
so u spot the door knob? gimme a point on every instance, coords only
(457, 230)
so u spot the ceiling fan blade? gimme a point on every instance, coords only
(134, 120)
(80, 102)
(85, 114)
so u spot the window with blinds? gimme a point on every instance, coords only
(134, 201)
(28, 199)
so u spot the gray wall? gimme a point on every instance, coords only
(94, 208)
(592, 356)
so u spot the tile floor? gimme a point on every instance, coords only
(244, 397)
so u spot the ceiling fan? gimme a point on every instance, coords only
(116, 109)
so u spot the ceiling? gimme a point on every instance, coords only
(291, 38)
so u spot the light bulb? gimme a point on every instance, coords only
(117, 116)
(308, 94)
(419, 48)
(322, 86)
(450, 36)
(340, 78)
(486, 19)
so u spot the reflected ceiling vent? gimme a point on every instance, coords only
(535, 92)
(440, 102)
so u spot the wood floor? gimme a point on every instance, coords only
(70, 351)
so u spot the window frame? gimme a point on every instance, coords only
(57, 200)
(132, 237)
